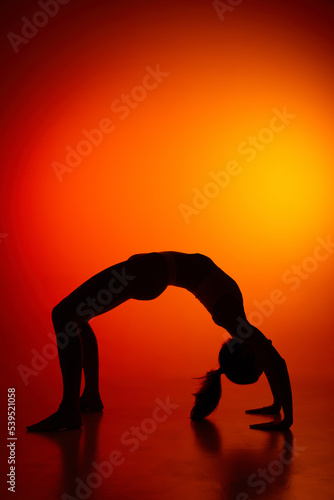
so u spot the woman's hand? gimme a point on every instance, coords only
(283, 425)
(266, 410)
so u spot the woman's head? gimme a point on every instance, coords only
(239, 363)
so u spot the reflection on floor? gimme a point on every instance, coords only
(144, 446)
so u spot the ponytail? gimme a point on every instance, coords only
(208, 396)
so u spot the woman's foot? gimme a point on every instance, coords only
(60, 420)
(91, 402)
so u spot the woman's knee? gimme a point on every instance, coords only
(58, 312)
(63, 314)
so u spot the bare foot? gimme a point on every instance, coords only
(61, 419)
(91, 402)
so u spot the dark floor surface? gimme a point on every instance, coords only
(140, 449)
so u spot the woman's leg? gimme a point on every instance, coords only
(99, 294)
(70, 359)
(90, 398)
(69, 354)
(141, 277)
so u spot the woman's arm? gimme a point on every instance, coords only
(277, 374)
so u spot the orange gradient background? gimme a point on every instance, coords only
(225, 78)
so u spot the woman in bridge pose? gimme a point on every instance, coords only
(144, 277)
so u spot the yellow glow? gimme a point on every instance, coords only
(280, 195)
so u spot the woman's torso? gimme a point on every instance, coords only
(201, 276)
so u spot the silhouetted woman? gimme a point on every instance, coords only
(144, 277)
